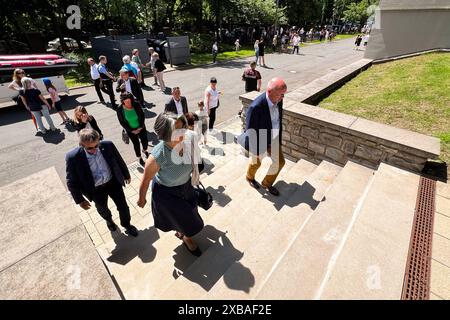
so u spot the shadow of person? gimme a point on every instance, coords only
(204, 239)
(128, 247)
(215, 151)
(241, 278)
(213, 264)
(219, 196)
(299, 194)
(54, 137)
(224, 137)
(149, 114)
(152, 138)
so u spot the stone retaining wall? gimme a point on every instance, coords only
(317, 134)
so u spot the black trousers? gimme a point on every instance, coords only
(142, 136)
(212, 117)
(295, 49)
(97, 88)
(114, 190)
(108, 89)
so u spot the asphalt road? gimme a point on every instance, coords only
(22, 152)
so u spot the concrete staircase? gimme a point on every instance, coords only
(334, 233)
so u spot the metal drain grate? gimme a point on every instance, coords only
(416, 284)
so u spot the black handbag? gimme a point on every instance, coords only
(201, 166)
(204, 198)
(125, 137)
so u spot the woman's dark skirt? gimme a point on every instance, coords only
(175, 209)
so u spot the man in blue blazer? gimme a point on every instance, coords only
(263, 134)
(95, 171)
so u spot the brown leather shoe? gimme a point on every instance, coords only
(253, 183)
(272, 190)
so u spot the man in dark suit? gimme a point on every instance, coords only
(95, 170)
(263, 134)
(177, 104)
(130, 85)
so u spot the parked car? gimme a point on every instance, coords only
(55, 44)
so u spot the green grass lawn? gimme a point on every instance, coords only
(412, 93)
(204, 58)
(72, 81)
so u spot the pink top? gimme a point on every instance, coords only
(53, 95)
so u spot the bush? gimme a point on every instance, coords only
(82, 72)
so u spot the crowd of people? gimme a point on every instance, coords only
(96, 171)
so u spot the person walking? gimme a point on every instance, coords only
(252, 79)
(95, 171)
(237, 45)
(33, 101)
(159, 67)
(107, 79)
(215, 51)
(274, 43)
(177, 103)
(16, 85)
(263, 134)
(137, 60)
(82, 120)
(151, 51)
(256, 46)
(358, 42)
(261, 47)
(130, 85)
(56, 100)
(203, 118)
(212, 101)
(295, 43)
(95, 76)
(132, 119)
(173, 201)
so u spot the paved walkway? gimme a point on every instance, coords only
(22, 153)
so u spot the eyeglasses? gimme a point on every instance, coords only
(91, 148)
(20, 72)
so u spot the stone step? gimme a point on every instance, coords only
(164, 254)
(372, 263)
(270, 245)
(299, 274)
(173, 258)
(240, 228)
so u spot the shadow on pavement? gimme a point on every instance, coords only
(54, 137)
(215, 262)
(127, 247)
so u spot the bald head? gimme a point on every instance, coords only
(276, 88)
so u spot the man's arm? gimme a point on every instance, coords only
(122, 164)
(72, 181)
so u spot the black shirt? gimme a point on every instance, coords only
(159, 66)
(251, 78)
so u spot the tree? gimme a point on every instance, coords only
(359, 12)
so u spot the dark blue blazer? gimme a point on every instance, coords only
(258, 119)
(79, 176)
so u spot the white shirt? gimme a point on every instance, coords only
(213, 98)
(215, 48)
(94, 72)
(179, 107)
(128, 85)
(274, 116)
(101, 172)
(296, 40)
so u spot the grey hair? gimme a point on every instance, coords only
(89, 135)
(165, 125)
(26, 83)
(126, 59)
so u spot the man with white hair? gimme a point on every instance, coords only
(151, 51)
(263, 134)
(133, 69)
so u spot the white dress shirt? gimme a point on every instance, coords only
(100, 169)
(274, 116)
(128, 85)
(179, 107)
(94, 72)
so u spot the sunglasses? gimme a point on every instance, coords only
(20, 72)
(91, 148)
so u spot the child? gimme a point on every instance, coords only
(56, 101)
(238, 45)
(203, 117)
